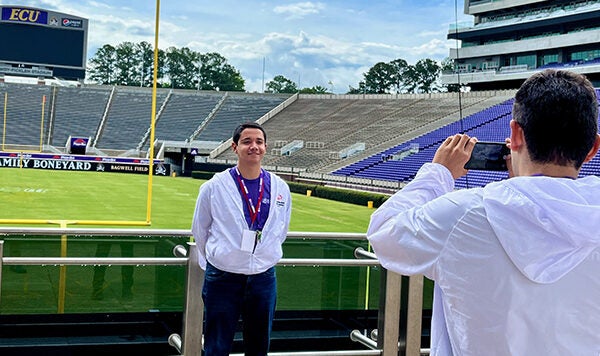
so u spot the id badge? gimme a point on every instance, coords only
(248, 239)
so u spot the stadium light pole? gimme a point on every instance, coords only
(153, 117)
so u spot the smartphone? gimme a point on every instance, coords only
(488, 156)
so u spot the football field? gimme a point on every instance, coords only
(73, 196)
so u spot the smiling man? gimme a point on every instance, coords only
(240, 222)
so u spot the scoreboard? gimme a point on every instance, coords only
(42, 43)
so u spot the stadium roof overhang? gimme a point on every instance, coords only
(587, 19)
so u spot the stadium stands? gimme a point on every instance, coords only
(184, 112)
(491, 124)
(488, 125)
(128, 116)
(78, 111)
(342, 122)
(25, 120)
(236, 110)
(389, 127)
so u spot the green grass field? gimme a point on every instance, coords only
(72, 196)
(64, 195)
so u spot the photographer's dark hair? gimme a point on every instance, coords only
(558, 112)
(248, 125)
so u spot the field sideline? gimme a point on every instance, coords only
(71, 195)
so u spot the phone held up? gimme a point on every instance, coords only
(488, 156)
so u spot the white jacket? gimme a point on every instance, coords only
(219, 222)
(516, 264)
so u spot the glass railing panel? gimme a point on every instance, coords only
(91, 288)
(326, 287)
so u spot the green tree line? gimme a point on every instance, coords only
(182, 68)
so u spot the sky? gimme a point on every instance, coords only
(330, 43)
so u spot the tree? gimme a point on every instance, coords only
(314, 90)
(399, 71)
(448, 66)
(360, 90)
(422, 76)
(133, 64)
(145, 57)
(379, 79)
(102, 65)
(281, 84)
(126, 63)
(217, 74)
(182, 67)
(399, 76)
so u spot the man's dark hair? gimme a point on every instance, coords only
(558, 112)
(248, 125)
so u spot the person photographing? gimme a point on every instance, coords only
(515, 263)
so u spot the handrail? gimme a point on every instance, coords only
(356, 335)
(161, 232)
(360, 252)
(88, 261)
(190, 341)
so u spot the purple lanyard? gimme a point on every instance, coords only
(254, 210)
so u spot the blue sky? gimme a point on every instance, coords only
(326, 43)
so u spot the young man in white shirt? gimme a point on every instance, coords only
(240, 222)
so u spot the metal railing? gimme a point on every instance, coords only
(388, 343)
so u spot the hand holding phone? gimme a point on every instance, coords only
(488, 156)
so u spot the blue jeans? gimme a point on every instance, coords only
(226, 296)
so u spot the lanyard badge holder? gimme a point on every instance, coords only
(251, 236)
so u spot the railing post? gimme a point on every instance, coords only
(1, 263)
(193, 313)
(414, 315)
(388, 323)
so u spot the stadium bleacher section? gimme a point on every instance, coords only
(118, 118)
(491, 124)
(334, 124)
(22, 123)
(487, 125)
(236, 110)
(128, 117)
(387, 127)
(183, 113)
(78, 111)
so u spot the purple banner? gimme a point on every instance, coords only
(82, 163)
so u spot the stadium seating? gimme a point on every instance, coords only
(184, 112)
(236, 110)
(387, 125)
(78, 111)
(25, 120)
(128, 117)
(339, 123)
(491, 124)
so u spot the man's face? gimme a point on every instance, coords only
(251, 146)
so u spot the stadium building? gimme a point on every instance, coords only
(510, 39)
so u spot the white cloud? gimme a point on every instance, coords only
(299, 10)
(433, 49)
(334, 41)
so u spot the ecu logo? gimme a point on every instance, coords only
(24, 15)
